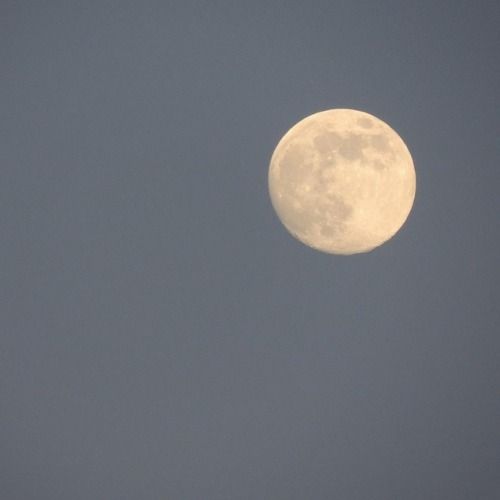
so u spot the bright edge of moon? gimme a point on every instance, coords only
(342, 181)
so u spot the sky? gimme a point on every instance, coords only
(162, 336)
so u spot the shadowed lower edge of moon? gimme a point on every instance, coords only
(327, 237)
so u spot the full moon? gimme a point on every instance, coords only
(342, 181)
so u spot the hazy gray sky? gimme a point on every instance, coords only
(162, 336)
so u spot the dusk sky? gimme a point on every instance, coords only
(162, 336)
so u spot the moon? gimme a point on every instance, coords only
(342, 181)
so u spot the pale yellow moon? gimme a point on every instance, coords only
(342, 181)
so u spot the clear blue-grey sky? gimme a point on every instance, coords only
(161, 334)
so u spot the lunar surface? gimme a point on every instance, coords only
(342, 181)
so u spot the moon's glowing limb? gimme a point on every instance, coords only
(342, 181)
